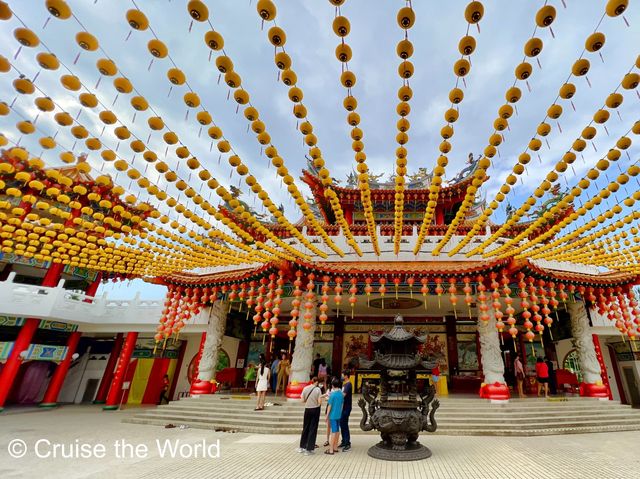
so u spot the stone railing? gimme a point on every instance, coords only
(91, 313)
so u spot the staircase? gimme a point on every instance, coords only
(456, 416)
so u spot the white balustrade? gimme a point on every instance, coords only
(99, 313)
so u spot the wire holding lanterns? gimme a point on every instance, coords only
(342, 28)
(406, 18)
(474, 12)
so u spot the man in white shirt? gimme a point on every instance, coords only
(312, 398)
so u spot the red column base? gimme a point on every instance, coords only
(202, 387)
(294, 391)
(495, 391)
(594, 390)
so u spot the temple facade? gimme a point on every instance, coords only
(478, 311)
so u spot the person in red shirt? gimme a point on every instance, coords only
(542, 375)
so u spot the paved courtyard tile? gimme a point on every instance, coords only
(134, 451)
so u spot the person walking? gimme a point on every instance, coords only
(347, 391)
(262, 382)
(312, 398)
(284, 367)
(552, 376)
(164, 391)
(542, 375)
(274, 373)
(519, 370)
(334, 412)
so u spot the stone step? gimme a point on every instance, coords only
(489, 408)
(455, 416)
(540, 431)
(499, 412)
(293, 420)
(442, 416)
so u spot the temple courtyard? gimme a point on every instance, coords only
(239, 455)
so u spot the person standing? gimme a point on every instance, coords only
(164, 391)
(542, 375)
(334, 412)
(274, 373)
(283, 373)
(519, 370)
(316, 365)
(347, 391)
(552, 375)
(322, 373)
(262, 382)
(435, 376)
(312, 398)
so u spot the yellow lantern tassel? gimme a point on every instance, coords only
(264, 337)
(155, 347)
(515, 346)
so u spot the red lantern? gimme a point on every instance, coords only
(382, 289)
(338, 297)
(439, 290)
(396, 284)
(352, 291)
(452, 295)
(368, 289)
(424, 290)
(410, 281)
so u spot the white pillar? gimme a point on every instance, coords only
(589, 364)
(303, 350)
(490, 354)
(213, 341)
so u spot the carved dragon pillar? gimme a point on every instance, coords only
(591, 385)
(215, 332)
(302, 357)
(494, 386)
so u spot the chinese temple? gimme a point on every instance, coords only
(480, 311)
(489, 257)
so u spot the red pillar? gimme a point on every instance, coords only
(439, 215)
(198, 386)
(57, 380)
(93, 287)
(176, 374)
(107, 376)
(348, 214)
(11, 367)
(115, 391)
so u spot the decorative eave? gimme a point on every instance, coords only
(390, 269)
(612, 278)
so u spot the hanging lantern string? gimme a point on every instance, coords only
(512, 220)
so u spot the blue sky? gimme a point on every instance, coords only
(311, 43)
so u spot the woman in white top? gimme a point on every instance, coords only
(262, 382)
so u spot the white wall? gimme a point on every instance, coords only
(74, 379)
(193, 343)
(562, 349)
(611, 375)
